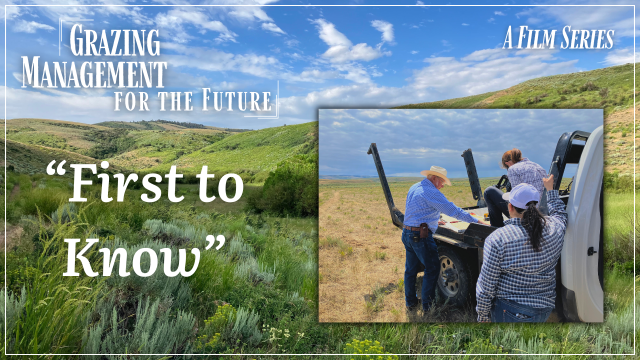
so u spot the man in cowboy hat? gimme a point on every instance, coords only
(425, 202)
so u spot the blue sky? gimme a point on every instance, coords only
(410, 141)
(322, 56)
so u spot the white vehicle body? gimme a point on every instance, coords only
(581, 271)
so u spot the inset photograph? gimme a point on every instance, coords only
(451, 215)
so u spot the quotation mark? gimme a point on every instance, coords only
(60, 170)
(212, 239)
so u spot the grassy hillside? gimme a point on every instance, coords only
(134, 146)
(255, 152)
(610, 89)
(32, 159)
(53, 133)
(151, 147)
(157, 145)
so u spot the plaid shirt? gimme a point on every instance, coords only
(512, 270)
(526, 171)
(425, 203)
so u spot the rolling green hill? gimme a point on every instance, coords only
(256, 152)
(610, 89)
(33, 159)
(53, 133)
(157, 145)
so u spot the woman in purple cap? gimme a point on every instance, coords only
(517, 281)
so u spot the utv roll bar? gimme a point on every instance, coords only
(566, 153)
(397, 217)
(472, 174)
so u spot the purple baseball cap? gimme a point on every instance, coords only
(521, 195)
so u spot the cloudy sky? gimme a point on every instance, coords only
(322, 56)
(410, 141)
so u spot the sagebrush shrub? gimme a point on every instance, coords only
(14, 307)
(65, 213)
(155, 331)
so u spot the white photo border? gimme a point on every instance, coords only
(279, 5)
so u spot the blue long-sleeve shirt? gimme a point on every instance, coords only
(512, 270)
(425, 203)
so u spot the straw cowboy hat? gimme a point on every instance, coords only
(439, 172)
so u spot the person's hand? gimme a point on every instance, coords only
(548, 183)
(483, 222)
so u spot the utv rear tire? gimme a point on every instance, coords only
(454, 281)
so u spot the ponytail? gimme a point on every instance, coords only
(534, 222)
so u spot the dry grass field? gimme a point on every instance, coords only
(362, 257)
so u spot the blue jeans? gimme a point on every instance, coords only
(510, 311)
(496, 206)
(423, 252)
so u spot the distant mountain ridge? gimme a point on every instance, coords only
(162, 125)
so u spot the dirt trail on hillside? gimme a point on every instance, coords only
(14, 192)
(13, 233)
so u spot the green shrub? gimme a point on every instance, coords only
(214, 328)
(213, 184)
(65, 213)
(484, 346)
(212, 281)
(613, 181)
(588, 86)
(156, 331)
(292, 189)
(249, 269)
(245, 328)
(175, 232)
(14, 307)
(365, 347)
(44, 200)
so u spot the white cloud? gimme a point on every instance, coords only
(174, 21)
(486, 54)
(248, 13)
(499, 13)
(619, 56)
(315, 75)
(413, 52)
(268, 67)
(291, 42)
(341, 49)
(30, 26)
(442, 78)
(619, 18)
(385, 28)
(273, 28)
(439, 136)
(211, 59)
(491, 20)
(465, 24)
(12, 11)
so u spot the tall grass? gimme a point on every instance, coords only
(136, 315)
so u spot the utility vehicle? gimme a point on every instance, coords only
(580, 268)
